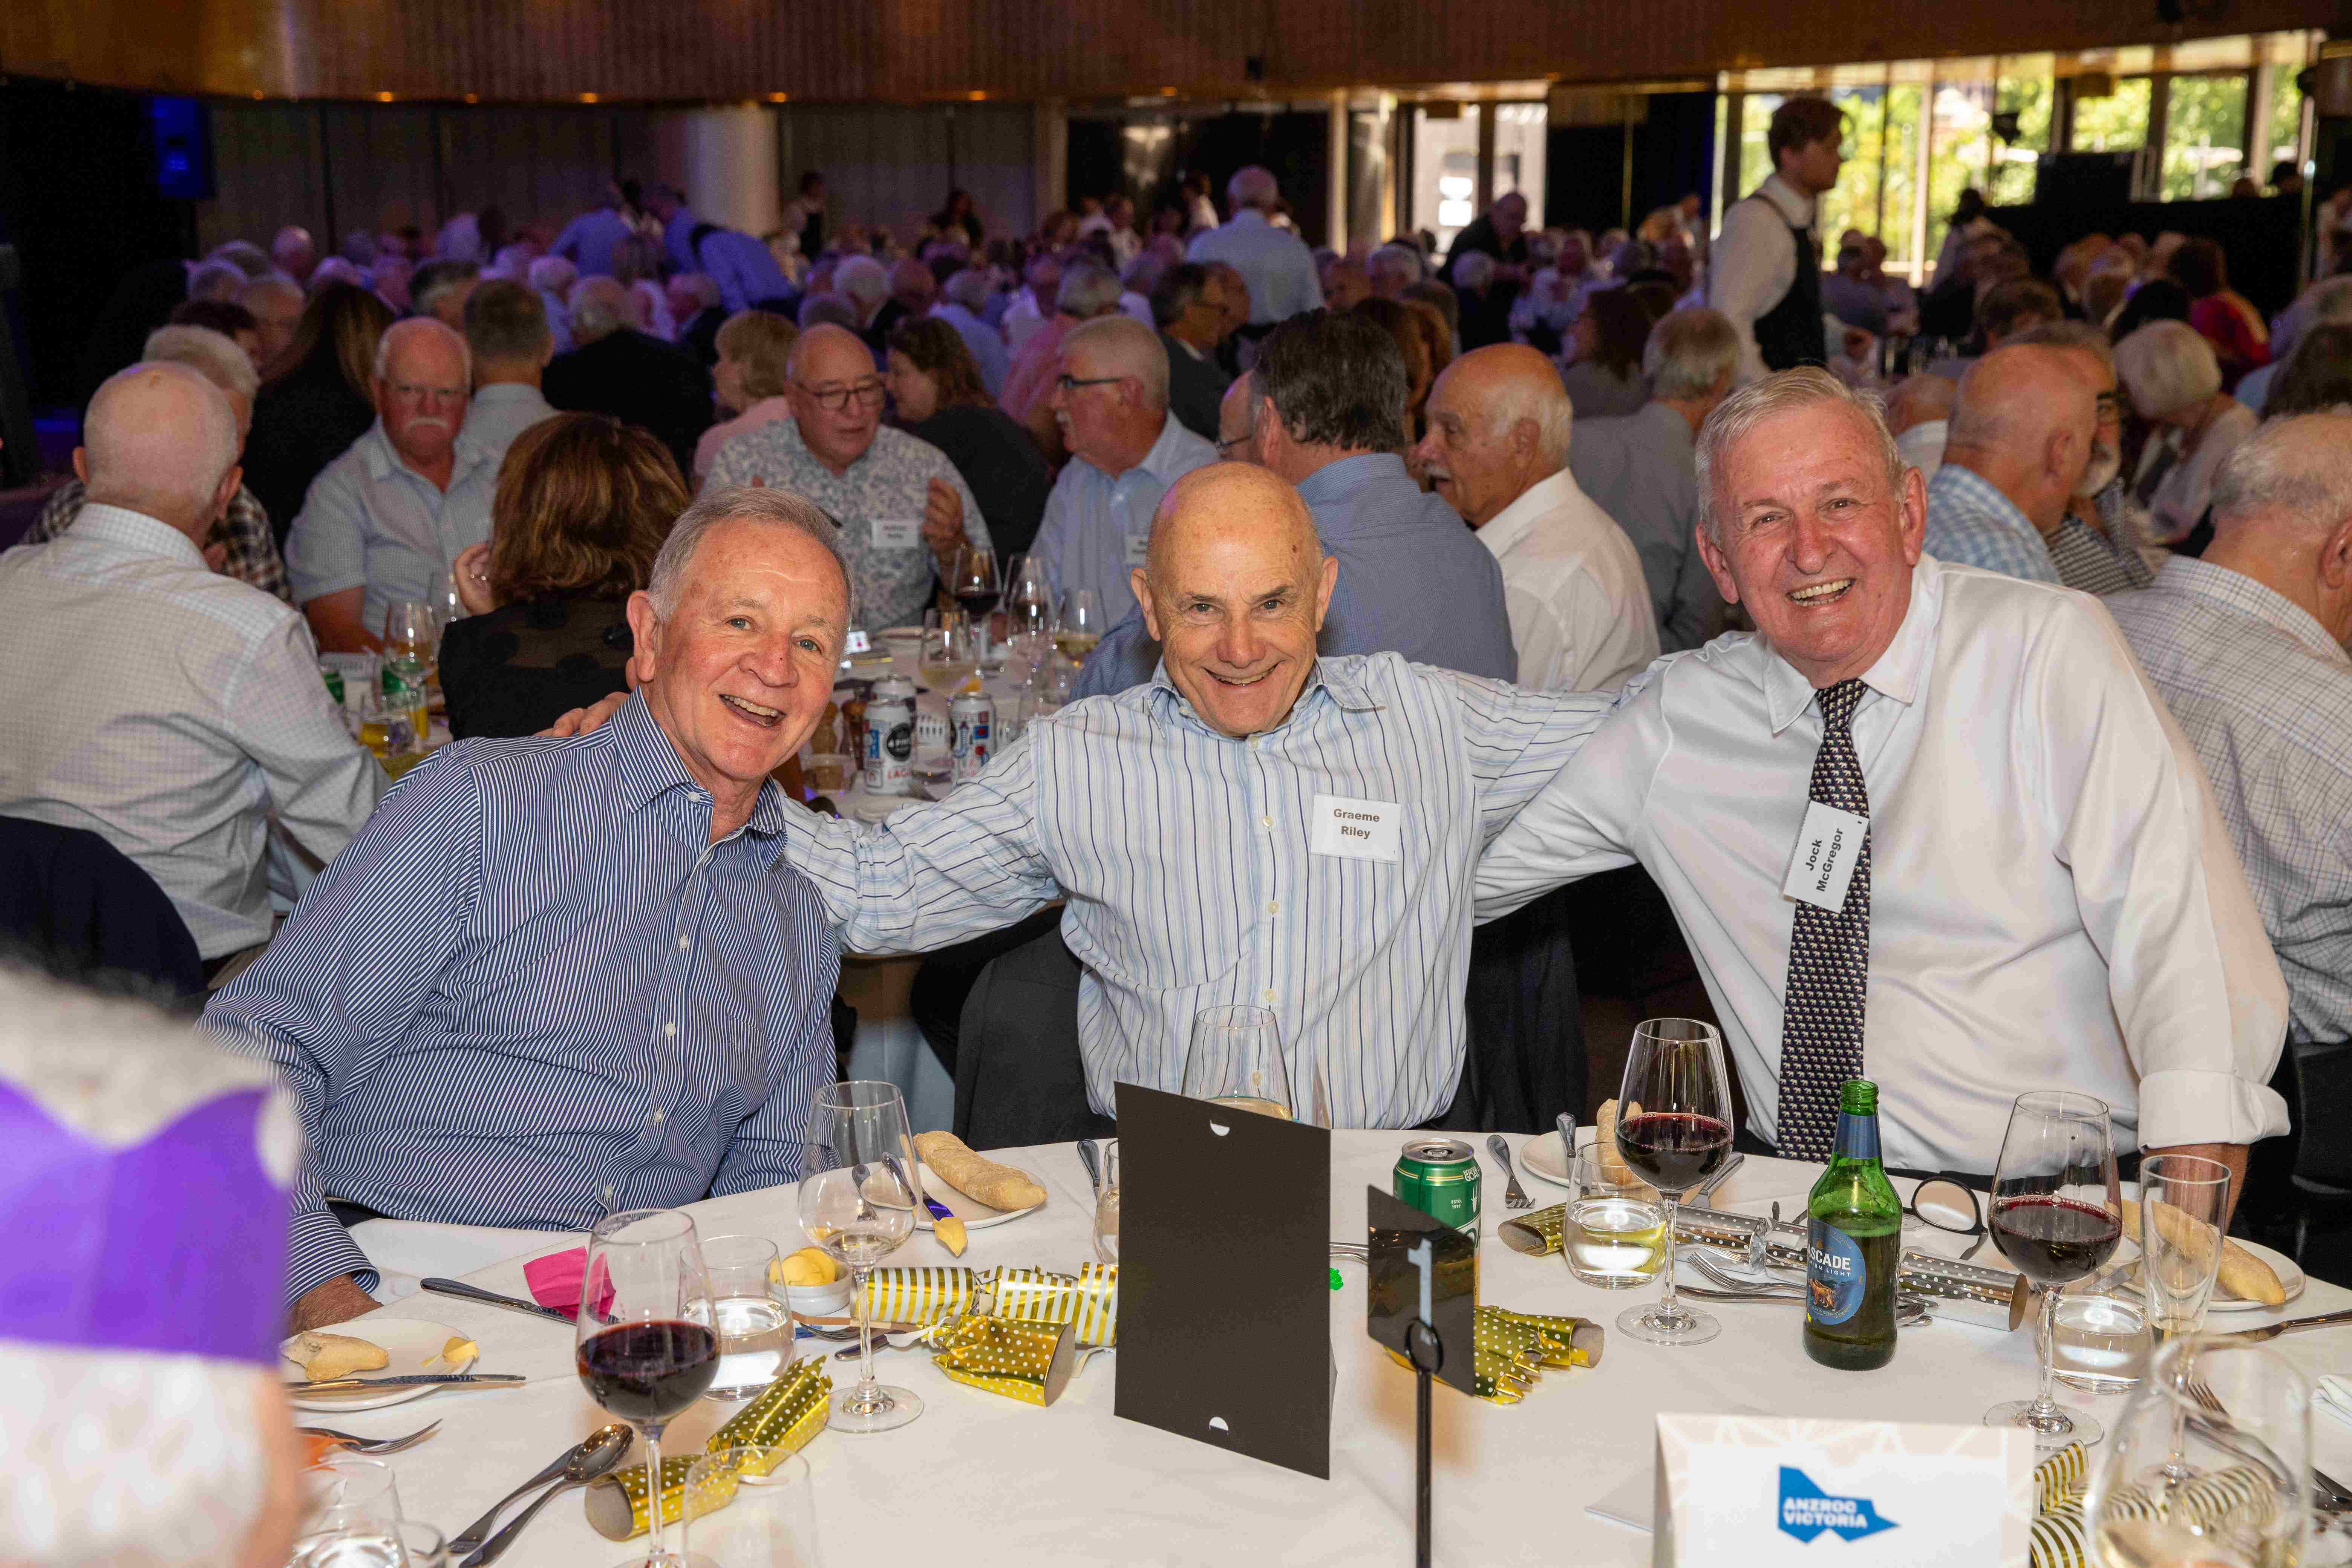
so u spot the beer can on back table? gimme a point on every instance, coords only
(972, 741)
(1439, 1176)
(890, 736)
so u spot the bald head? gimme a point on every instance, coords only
(1236, 586)
(2025, 423)
(1498, 425)
(159, 438)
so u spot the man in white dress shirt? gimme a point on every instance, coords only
(170, 710)
(1766, 269)
(2011, 872)
(507, 331)
(1497, 451)
(1274, 262)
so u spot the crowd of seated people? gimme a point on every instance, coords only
(1463, 529)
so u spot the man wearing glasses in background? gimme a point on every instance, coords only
(1126, 450)
(899, 503)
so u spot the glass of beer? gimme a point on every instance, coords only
(1235, 1059)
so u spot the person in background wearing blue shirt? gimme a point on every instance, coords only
(552, 979)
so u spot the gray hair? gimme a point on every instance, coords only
(1474, 270)
(212, 354)
(2331, 301)
(1543, 402)
(1088, 290)
(245, 255)
(1736, 416)
(1127, 347)
(1689, 352)
(275, 283)
(2081, 337)
(599, 307)
(216, 279)
(1253, 186)
(1400, 262)
(2167, 366)
(826, 308)
(426, 326)
(2299, 467)
(742, 503)
(335, 270)
(553, 273)
(862, 279)
(969, 287)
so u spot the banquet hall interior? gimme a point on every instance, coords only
(613, 619)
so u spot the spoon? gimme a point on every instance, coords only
(476, 1533)
(592, 1459)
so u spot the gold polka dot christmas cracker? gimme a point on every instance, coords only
(1022, 1359)
(779, 1421)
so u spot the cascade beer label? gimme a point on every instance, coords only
(1834, 1274)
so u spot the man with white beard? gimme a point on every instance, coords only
(385, 520)
(2096, 547)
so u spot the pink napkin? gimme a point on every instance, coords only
(555, 1280)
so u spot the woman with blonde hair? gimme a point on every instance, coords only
(749, 381)
(583, 505)
(320, 401)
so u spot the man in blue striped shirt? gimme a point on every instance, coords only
(554, 979)
(1256, 825)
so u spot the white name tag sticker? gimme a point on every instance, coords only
(897, 533)
(1139, 545)
(1356, 829)
(1827, 847)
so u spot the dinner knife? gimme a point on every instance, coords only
(466, 1292)
(408, 1380)
(2273, 1330)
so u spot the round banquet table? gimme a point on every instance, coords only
(981, 1480)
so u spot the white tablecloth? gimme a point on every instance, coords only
(979, 1480)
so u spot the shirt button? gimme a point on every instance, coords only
(1274, 906)
(1266, 822)
(1269, 993)
(670, 1029)
(609, 1194)
(660, 1117)
(684, 941)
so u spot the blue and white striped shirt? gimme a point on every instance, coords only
(532, 993)
(1970, 524)
(1190, 882)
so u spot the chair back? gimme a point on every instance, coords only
(1020, 1078)
(74, 905)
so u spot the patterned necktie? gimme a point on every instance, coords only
(1829, 958)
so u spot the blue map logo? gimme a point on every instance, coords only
(1806, 1511)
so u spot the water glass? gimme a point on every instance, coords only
(420, 1545)
(1107, 1207)
(750, 1508)
(2184, 1204)
(755, 1329)
(354, 1516)
(1616, 1235)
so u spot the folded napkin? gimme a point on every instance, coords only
(2334, 1397)
(555, 1280)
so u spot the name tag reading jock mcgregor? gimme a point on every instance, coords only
(1355, 829)
(1827, 847)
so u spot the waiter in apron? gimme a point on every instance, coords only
(1766, 272)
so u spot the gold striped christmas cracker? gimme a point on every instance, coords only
(922, 1295)
(2060, 1477)
(2058, 1541)
(2060, 1535)
(780, 1420)
(1021, 1359)
(1088, 1300)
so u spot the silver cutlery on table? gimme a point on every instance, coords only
(1515, 1196)
(410, 1380)
(2293, 1325)
(466, 1292)
(1722, 1173)
(2245, 1446)
(602, 1437)
(1092, 1160)
(369, 1445)
(584, 1464)
(914, 1339)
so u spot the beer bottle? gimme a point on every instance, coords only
(1854, 1226)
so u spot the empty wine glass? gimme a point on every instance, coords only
(2057, 1214)
(1674, 1128)
(1235, 1059)
(858, 1202)
(640, 1352)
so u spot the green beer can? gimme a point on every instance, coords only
(1439, 1177)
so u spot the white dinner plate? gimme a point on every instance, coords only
(975, 1215)
(2290, 1276)
(1540, 1156)
(410, 1341)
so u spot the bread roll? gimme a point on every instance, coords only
(322, 1356)
(2241, 1274)
(998, 1186)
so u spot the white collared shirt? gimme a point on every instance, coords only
(1580, 606)
(371, 521)
(501, 411)
(1754, 263)
(1097, 525)
(173, 712)
(2053, 900)
(1274, 263)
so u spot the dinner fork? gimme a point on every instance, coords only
(371, 1445)
(1515, 1196)
(2337, 1499)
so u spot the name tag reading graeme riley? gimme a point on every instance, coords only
(1827, 847)
(897, 533)
(1355, 829)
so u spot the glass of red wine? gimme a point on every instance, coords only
(976, 588)
(2057, 1214)
(1674, 1129)
(858, 1199)
(640, 1354)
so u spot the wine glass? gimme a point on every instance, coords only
(2057, 1214)
(1674, 1128)
(858, 1202)
(410, 629)
(1235, 1059)
(1029, 602)
(353, 1517)
(2210, 1462)
(973, 582)
(949, 655)
(1107, 1207)
(641, 1354)
(1081, 623)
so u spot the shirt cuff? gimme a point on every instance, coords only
(318, 1248)
(2182, 1107)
